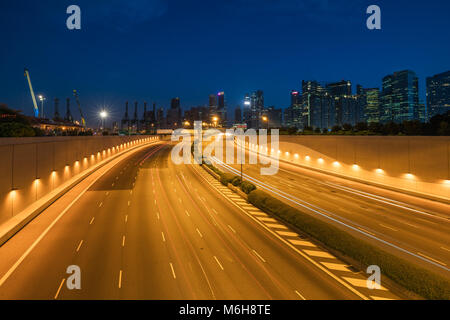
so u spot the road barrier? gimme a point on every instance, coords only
(415, 279)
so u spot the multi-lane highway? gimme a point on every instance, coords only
(149, 229)
(412, 227)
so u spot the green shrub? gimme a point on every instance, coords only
(247, 187)
(411, 277)
(236, 181)
(226, 178)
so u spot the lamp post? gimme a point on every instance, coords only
(103, 116)
(266, 120)
(215, 119)
(42, 98)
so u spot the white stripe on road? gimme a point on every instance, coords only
(218, 262)
(59, 289)
(320, 254)
(173, 271)
(79, 246)
(257, 254)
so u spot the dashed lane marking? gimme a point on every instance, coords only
(218, 262)
(173, 270)
(79, 246)
(300, 295)
(258, 255)
(59, 288)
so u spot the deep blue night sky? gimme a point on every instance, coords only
(153, 50)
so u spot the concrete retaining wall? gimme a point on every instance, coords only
(32, 167)
(417, 164)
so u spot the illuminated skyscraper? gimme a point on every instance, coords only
(438, 94)
(400, 97)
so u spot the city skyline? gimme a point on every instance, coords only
(159, 61)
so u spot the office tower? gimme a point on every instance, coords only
(160, 120)
(238, 115)
(174, 114)
(318, 106)
(275, 117)
(343, 102)
(368, 105)
(438, 94)
(212, 100)
(247, 114)
(287, 118)
(296, 110)
(399, 97)
(221, 109)
(256, 109)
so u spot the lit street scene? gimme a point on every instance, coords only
(225, 159)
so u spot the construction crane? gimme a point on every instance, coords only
(36, 109)
(83, 121)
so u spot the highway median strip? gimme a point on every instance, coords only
(411, 277)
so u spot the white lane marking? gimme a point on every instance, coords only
(446, 249)
(301, 243)
(437, 261)
(362, 283)
(100, 205)
(218, 262)
(187, 213)
(199, 233)
(300, 252)
(287, 233)
(157, 215)
(387, 227)
(163, 237)
(383, 200)
(173, 270)
(79, 246)
(123, 241)
(59, 288)
(126, 218)
(336, 266)
(323, 213)
(179, 199)
(234, 231)
(321, 254)
(107, 193)
(258, 255)
(214, 210)
(131, 191)
(299, 294)
(92, 220)
(120, 279)
(364, 230)
(129, 203)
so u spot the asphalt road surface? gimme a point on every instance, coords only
(148, 229)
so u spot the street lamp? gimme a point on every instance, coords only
(266, 119)
(42, 98)
(187, 123)
(215, 119)
(103, 116)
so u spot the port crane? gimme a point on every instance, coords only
(36, 109)
(83, 121)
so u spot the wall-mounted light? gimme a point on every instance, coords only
(320, 160)
(355, 167)
(447, 182)
(336, 164)
(307, 158)
(380, 171)
(296, 156)
(409, 176)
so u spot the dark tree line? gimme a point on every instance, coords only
(439, 125)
